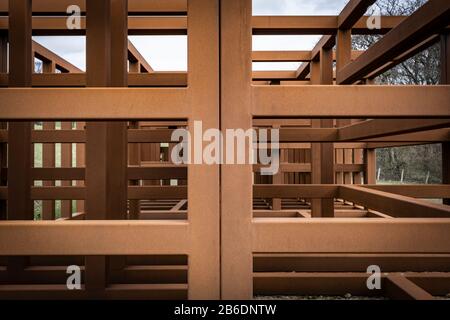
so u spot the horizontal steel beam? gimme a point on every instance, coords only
(147, 7)
(392, 204)
(328, 235)
(351, 101)
(94, 104)
(20, 238)
(425, 22)
(177, 25)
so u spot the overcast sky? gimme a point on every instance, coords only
(169, 53)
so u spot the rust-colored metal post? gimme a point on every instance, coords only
(80, 163)
(277, 178)
(203, 179)
(106, 142)
(445, 79)
(370, 166)
(48, 161)
(236, 204)
(66, 162)
(134, 159)
(322, 164)
(20, 205)
(343, 48)
(3, 125)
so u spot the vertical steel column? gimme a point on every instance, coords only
(203, 179)
(134, 159)
(20, 205)
(445, 79)
(327, 149)
(118, 131)
(48, 151)
(66, 162)
(3, 125)
(80, 162)
(370, 166)
(343, 57)
(236, 180)
(48, 161)
(322, 164)
(106, 142)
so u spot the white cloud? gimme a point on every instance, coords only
(164, 53)
(298, 7)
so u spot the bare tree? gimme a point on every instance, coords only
(419, 162)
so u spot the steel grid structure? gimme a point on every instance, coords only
(219, 231)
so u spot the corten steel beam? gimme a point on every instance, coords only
(313, 283)
(66, 162)
(109, 237)
(177, 25)
(94, 104)
(320, 191)
(415, 191)
(3, 53)
(166, 291)
(425, 22)
(293, 56)
(322, 164)
(392, 204)
(80, 162)
(290, 138)
(203, 180)
(328, 25)
(327, 170)
(376, 128)
(19, 205)
(281, 56)
(155, 79)
(157, 192)
(326, 42)
(326, 235)
(343, 48)
(445, 79)
(48, 161)
(147, 7)
(79, 136)
(47, 56)
(403, 57)
(303, 70)
(236, 201)
(98, 66)
(79, 193)
(352, 12)
(136, 58)
(393, 285)
(3, 125)
(423, 137)
(134, 159)
(56, 26)
(106, 142)
(154, 172)
(356, 262)
(401, 288)
(277, 178)
(436, 283)
(365, 102)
